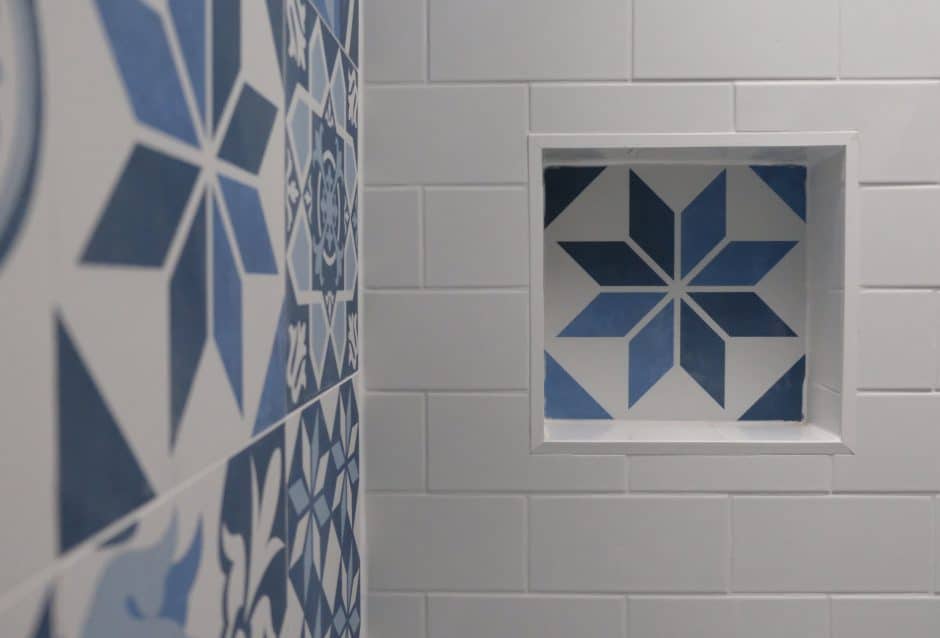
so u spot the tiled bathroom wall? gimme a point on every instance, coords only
(179, 273)
(472, 535)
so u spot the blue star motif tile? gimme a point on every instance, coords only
(160, 195)
(677, 291)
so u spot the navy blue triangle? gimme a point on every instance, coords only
(789, 182)
(565, 398)
(563, 184)
(273, 404)
(784, 400)
(99, 477)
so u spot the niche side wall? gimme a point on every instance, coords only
(470, 534)
(179, 276)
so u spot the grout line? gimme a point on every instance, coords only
(456, 289)
(427, 615)
(839, 12)
(427, 41)
(427, 442)
(527, 546)
(730, 587)
(422, 238)
(933, 550)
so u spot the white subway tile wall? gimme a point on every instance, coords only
(469, 532)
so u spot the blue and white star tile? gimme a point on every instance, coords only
(674, 292)
(322, 516)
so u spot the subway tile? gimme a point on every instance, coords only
(476, 616)
(831, 544)
(477, 237)
(628, 544)
(391, 237)
(396, 616)
(779, 473)
(897, 340)
(442, 341)
(896, 121)
(446, 134)
(900, 232)
(680, 39)
(451, 543)
(889, 39)
(896, 446)
(395, 41)
(728, 617)
(870, 617)
(481, 442)
(395, 442)
(632, 108)
(530, 40)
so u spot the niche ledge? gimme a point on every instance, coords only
(693, 293)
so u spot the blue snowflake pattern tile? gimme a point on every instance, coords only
(712, 264)
(160, 195)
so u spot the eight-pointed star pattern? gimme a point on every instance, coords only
(677, 289)
(162, 193)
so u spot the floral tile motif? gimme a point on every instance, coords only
(690, 279)
(322, 490)
(321, 200)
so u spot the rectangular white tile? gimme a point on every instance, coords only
(443, 341)
(476, 237)
(395, 41)
(530, 40)
(481, 442)
(394, 442)
(446, 134)
(728, 617)
(870, 617)
(391, 237)
(451, 543)
(396, 616)
(897, 447)
(900, 235)
(628, 544)
(632, 108)
(831, 544)
(897, 340)
(680, 39)
(474, 616)
(896, 121)
(889, 39)
(782, 473)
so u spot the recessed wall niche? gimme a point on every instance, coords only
(688, 293)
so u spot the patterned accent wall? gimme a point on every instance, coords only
(675, 292)
(179, 267)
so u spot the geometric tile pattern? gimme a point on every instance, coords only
(321, 200)
(323, 483)
(218, 211)
(146, 209)
(683, 285)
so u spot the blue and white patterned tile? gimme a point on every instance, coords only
(322, 516)
(320, 344)
(169, 253)
(675, 292)
(210, 561)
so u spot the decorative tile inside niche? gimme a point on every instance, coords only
(675, 292)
